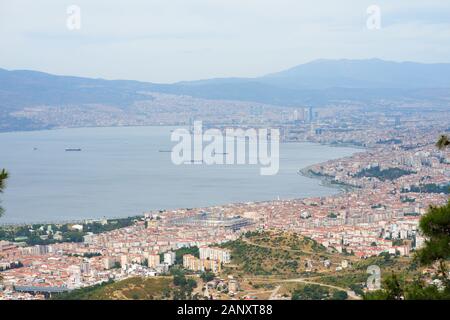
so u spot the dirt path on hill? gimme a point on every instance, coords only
(350, 294)
(306, 281)
(274, 293)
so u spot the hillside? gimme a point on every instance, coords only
(129, 289)
(286, 265)
(372, 73)
(337, 79)
(317, 83)
(267, 265)
(24, 88)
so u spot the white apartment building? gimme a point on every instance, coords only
(222, 255)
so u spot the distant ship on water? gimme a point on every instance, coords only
(193, 162)
(220, 153)
(73, 149)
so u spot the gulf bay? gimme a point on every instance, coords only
(120, 172)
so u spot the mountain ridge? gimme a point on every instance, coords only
(318, 82)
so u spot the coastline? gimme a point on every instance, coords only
(89, 127)
(323, 181)
(327, 181)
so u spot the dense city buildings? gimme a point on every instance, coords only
(386, 188)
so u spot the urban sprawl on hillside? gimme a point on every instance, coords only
(386, 188)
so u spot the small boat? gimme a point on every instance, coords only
(193, 162)
(73, 149)
(220, 153)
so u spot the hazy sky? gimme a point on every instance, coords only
(174, 40)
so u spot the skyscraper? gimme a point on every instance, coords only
(310, 115)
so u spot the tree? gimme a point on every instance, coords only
(435, 225)
(179, 280)
(339, 295)
(310, 292)
(3, 177)
(191, 284)
(443, 142)
(393, 289)
(419, 290)
(207, 276)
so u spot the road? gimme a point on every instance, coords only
(350, 294)
(274, 293)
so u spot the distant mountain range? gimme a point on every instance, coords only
(316, 83)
